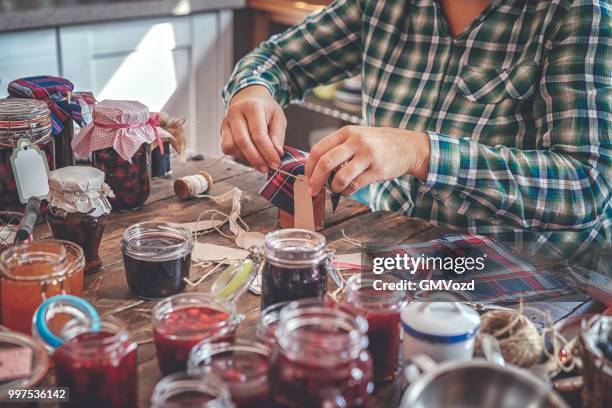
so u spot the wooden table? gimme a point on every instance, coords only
(108, 292)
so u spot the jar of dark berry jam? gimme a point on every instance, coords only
(78, 208)
(182, 321)
(296, 266)
(22, 118)
(98, 366)
(182, 390)
(320, 358)
(33, 272)
(157, 258)
(242, 366)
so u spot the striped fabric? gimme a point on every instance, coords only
(517, 108)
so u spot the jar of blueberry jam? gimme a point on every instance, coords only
(157, 258)
(242, 366)
(182, 321)
(182, 390)
(296, 266)
(320, 358)
(98, 366)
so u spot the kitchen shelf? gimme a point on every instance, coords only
(316, 104)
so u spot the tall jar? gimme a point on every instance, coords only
(33, 272)
(182, 390)
(21, 118)
(296, 266)
(78, 209)
(320, 358)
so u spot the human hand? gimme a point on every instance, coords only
(254, 128)
(362, 155)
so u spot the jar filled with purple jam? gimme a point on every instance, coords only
(182, 390)
(157, 258)
(296, 266)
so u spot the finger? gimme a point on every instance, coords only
(256, 121)
(347, 173)
(328, 163)
(242, 141)
(277, 128)
(366, 178)
(321, 147)
(227, 142)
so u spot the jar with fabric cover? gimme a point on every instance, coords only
(78, 209)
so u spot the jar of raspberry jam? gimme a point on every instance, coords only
(296, 266)
(78, 209)
(182, 321)
(157, 258)
(33, 272)
(182, 390)
(98, 366)
(242, 366)
(22, 118)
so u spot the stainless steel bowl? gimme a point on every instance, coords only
(480, 384)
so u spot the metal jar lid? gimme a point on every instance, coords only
(23, 118)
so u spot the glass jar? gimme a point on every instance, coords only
(78, 209)
(243, 367)
(182, 321)
(22, 118)
(129, 180)
(182, 390)
(157, 258)
(382, 310)
(296, 266)
(99, 366)
(33, 272)
(320, 359)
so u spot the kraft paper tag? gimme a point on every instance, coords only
(31, 171)
(303, 210)
(212, 252)
(15, 362)
(247, 240)
(203, 225)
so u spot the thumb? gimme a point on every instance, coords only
(277, 128)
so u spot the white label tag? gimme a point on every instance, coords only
(303, 210)
(212, 252)
(31, 171)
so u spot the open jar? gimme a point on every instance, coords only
(320, 358)
(182, 321)
(78, 209)
(33, 272)
(157, 258)
(182, 390)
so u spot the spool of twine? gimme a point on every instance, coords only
(193, 186)
(518, 338)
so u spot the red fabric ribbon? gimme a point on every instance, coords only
(153, 122)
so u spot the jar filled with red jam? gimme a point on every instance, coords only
(157, 258)
(182, 390)
(99, 367)
(382, 310)
(33, 272)
(78, 209)
(21, 118)
(296, 266)
(320, 358)
(182, 321)
(242, 366)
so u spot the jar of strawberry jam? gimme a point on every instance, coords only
(182, 321)
(320, 358)
(98, 365)
(296, 266)
(182, 390)
(157, 258)
(33, 272)
(242, 366)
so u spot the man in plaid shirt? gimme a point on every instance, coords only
(489, 116)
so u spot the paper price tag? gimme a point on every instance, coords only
(302, 204)
(31, 171)
(15, 362)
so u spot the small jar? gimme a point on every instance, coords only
(182, 390)
(320, 359)
(98, 366)
(182, 321)
(243, 367)
(382, 310)
(22, 118)
(78, 209)
(157, 258)
(33, 272)
(161, 163)
(296, 266)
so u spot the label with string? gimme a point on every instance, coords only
(31, 171)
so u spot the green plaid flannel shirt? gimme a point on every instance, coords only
(517, 108)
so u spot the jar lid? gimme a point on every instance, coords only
(79, 189)
(234, 280)
(77, 178)
(23, 118)
(157, 240)
(446, 322)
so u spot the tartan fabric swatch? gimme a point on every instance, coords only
(279, 188)
(57, 93)
(505, 279)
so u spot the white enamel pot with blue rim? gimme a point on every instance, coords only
(441, 330)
